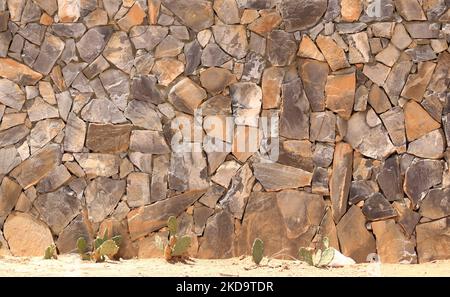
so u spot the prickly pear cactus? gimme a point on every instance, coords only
(305, 255)
(181, 246)
(326, 258)
(257, 251)
(50, 252)
(108, 248)
(172, 224)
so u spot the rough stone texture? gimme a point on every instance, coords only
(284, 119)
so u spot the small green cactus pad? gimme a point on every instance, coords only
(305, 255)
(326, 242)
(173, 225)
(108, 248)
(181, 246)
(117, 239)
(316, 257)
(257, 251)
(81, 245)
(50, 252)
(327, 257)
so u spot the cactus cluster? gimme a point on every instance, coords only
(102, 247)
(317, 258)
(176, 246)
(50, 252)
(257, 251)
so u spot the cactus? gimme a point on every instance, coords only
(317, 258)
(50, 252)
(102, 248)
(176, 246)
(257, 251)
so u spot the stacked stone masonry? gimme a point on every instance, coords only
(356, 94)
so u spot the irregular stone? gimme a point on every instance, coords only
(392, 244)
(147, 37)
(217, 239)
(436, 204)
(44, 131)
(417, 83)
(389, 179)
(340, 94)
(13, 135)
(272, 80)
(407, 218)
(32, 170)
(186, 95)
(144, 88)
(410, 10)
(378, 99)
(98, 164)
(281, 48)
(138, 189)
(9, 158)
(188, 170)
(213, 55)
(196, 14)
(67, 239)
(232, 39)
(169, 47)
(371, 142)
(32, 244)
(111, 7)
(55, 179)
(134, 17)
(9, 194)
(333, 54)
(108, 138)
(429, 146)
(68, 10)
(237, 195)
(75, 134)
(400, 38)
(98, 66)
(93, 42)
(149, 218)
(303, 14)
(274, 176)
(246, 100)
(102, 196)
(98, 17)
(377, 207)
(432, 240)
(420, 176)
(320, 181)
(296, 153)
(12, 119)
(11, 95)
(69, 30)
(17, 72)
(193, 54)
(253, 68)
(355, 241)
(34, 33)
(41, 110)
(359, 50)
(351, 10)
(423, 30)
(417, 121)
(150, 142)
(314, 76)
(118, 51)
(323, 126)
(117, 85)
(57, 209)
(308, 49)
(167, 69)
(397, 78)
(142, 114)
(51, 49)
(227, 11)
(158, 187)
(215, 80)
(266, 23)
(294, 118)
(360, 190)
(102, 111)
(225, 173)
(377, 73)
(389, 55)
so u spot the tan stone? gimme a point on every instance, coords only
(98, 164)
(266, 23)
(341, 179)
(153, 11)
(433, 240)
(167, 69)
(417, 83)
(33, 242)
(340, 94)
(334, 55)
(351, 10)
(274, 176)
(271, 87)
(215, 80)
(309, 50)
(9, 194)
(134, 17)
(17, 72)
(417, 121)
(108, 138)
(68, 10)
(186, 95)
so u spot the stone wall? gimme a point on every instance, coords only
(318, 118)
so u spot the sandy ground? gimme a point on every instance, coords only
(71, 265)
